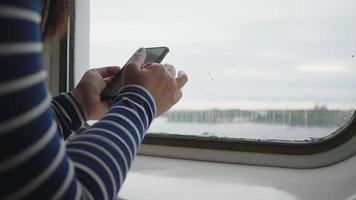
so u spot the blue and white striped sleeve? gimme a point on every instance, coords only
(35, 163)
(68, 114)
(109, 146)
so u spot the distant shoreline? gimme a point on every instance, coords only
(317, 117)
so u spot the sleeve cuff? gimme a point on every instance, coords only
(69, 109)
(141, 96)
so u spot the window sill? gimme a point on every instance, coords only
(165, 178)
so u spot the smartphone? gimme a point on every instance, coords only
(153, 54)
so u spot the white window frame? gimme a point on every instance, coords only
(81, 41)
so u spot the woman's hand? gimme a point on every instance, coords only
(87, 92)
(160, 80)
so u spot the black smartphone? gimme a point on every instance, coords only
(153, 54)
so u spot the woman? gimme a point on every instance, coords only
(35, 163)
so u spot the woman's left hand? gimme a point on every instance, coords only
(87, 92)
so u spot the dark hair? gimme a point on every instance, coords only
(55, 17)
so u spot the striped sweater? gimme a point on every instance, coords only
(35, 162)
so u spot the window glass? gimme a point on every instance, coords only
(260, 69)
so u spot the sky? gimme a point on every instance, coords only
(255, 54)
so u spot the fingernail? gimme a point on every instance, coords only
(181, 73)
(141, 51)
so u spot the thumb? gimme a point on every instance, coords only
(138, 59)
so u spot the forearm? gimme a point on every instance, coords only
(113, 141)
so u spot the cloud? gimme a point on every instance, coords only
(257, 52)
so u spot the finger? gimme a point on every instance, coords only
(182, 79)
(138, 59)
(178, 95)
(146, 65)
(108, 71)
(171, 69)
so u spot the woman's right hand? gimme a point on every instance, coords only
(160, 80)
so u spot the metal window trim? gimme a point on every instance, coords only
(327, 151)
(61, 60)
(270, 146)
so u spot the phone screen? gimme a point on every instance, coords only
(154, 54)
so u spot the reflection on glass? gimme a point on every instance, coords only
(257, 69)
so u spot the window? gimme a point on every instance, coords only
(258, 69)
